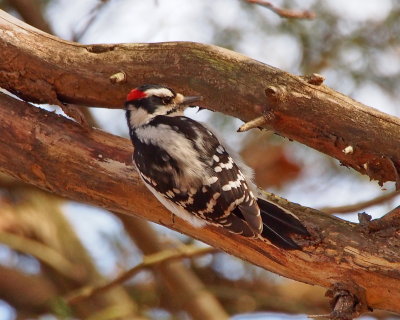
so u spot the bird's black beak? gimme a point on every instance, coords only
(191, 99)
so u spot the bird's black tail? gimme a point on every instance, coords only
(279, 224)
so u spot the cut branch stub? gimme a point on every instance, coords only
(347, 301)
(119, 77)
(315, 79)
(273, 96)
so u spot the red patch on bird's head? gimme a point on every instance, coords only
(135, 94)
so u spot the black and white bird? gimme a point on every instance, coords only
(193, 175)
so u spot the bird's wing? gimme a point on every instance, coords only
(223, 197)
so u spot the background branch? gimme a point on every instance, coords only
(148, 261)
(38, 291)
(189, 292)
(284, 13)
(32, 223)
(361, 205)
(31, 12)
(43, 253)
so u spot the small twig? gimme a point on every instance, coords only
(148, 261)
(255, 123)
(273, 96)
(315, 79)
(360, 205)
(285, 13)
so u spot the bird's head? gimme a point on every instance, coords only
(148, 101)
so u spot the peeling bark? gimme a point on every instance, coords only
(92, 166)
(45, 69)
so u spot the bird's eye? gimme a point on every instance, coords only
(166, 100)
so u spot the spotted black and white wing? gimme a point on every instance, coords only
(210, 188)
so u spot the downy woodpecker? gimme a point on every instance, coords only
(191, 173)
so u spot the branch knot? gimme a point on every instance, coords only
(348, 301)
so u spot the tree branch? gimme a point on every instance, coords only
(41, 68)
(92, 166)
(284, 13)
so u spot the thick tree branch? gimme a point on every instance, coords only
(58, 155)
(45, 69)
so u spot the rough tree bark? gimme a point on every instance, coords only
(87, 165)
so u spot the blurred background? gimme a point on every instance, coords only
(50, 247)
